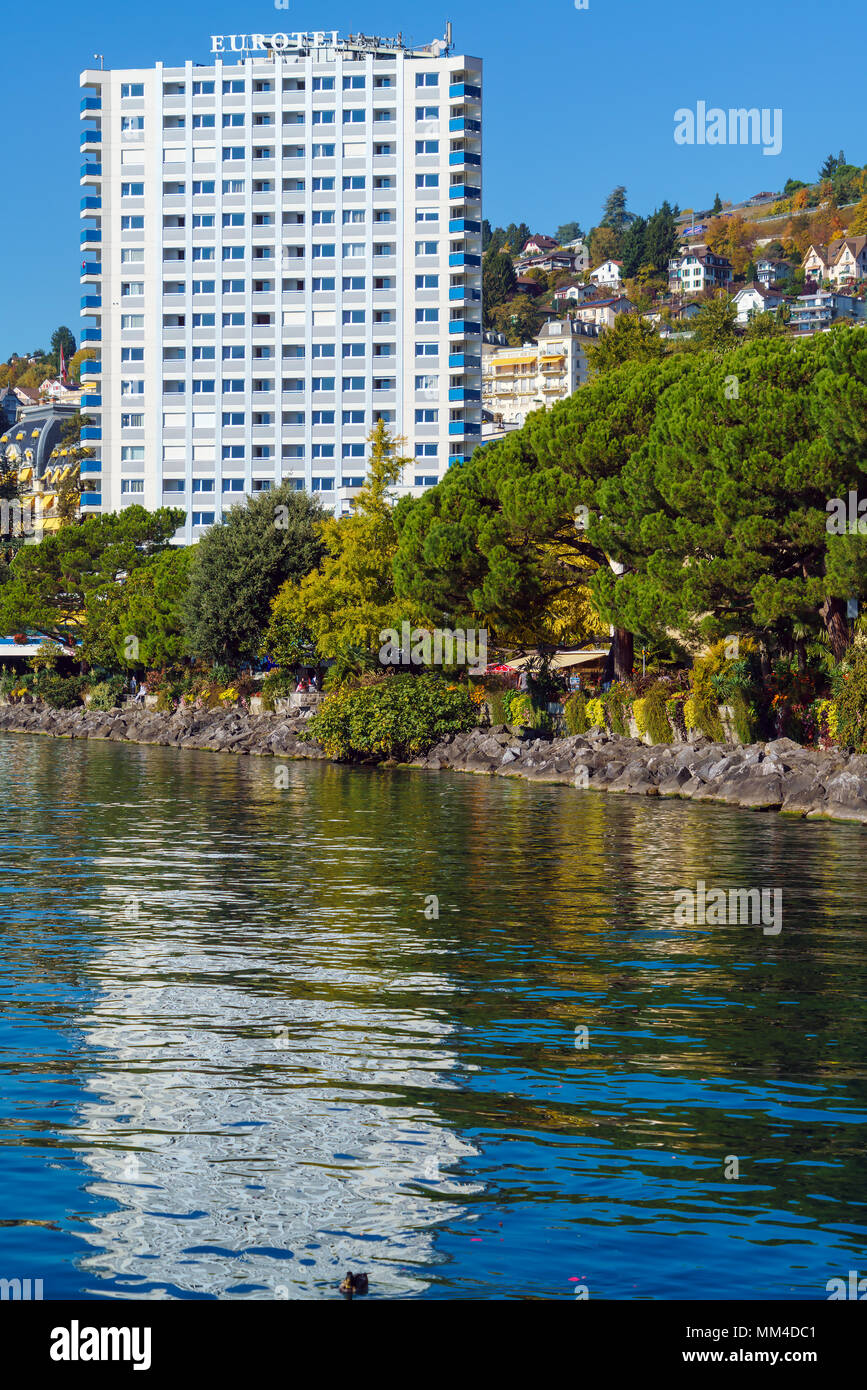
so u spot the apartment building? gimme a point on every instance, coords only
(516, 381)
(697, 269)
(279, 248)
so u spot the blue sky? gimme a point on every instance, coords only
(576, 101)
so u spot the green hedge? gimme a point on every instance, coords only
(399, 717)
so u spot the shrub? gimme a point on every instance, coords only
(615, 709)
(656, 715)
(595, 714)
(520, 708)
(575, 711)
(106, 694)
(850, 700)
(498, 707)
(399, 717)
(61, 692)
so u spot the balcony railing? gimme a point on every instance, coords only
(91, 402)
(458, 157)
(90, 204)
(468, 91)
(464, 258)
(464, 224)
(91, 171)
(90, 335)
(92, 234)
(90, 301)
(464, 327)
(91, 499)
(464, 393)
(464, 361)
(465, 192)
(89, 104)
(464, 125)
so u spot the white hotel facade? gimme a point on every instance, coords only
(278, 249)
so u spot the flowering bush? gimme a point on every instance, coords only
(399, 717)
(596, 714)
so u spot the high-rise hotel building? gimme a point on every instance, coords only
(279, 249)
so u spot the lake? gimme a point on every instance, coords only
(258, 1028)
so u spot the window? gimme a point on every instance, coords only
(234, 320)
(231, 186)
(427, 79)
(427, 248)
(427, 113)
(354, 282)
(132, 388)
(129, 287)
(132, 354)
(323, 451)
(233, 118)
(323, 282)
(293, 350)
(236, 84)
(383, 150)
(427, 315)
(203, 485)
(427, 180)
(427, 146)
(204, 253)
(233, 286)
(203, 122)
(233, 352)
(353, 417)
(353, 216)
(427, 282)
(204, 354)
(427, 349)
(353, 316)
(132, 223)
(383, 383)
(353, 383)
(262, 484)
(323, 417)
(323, 350)
(233, 219)
(322, 151)
(353, 83)
(323, 185)
(263, 219)
(323, 117)
(323, 484)
(203, 386)
(132, 422)
(173, 485)
(353, 250)
(323, 219)
(233, 385)
(171, 189)
(427, 215)
(132, 122)
(354, 182)
(323, 248)
(233, 451)
(132, 190)
(261, 118)
(132, 89)
(203, 219)
(426, 480)
(203, 320)
(233, 152)
(203, 518)
(427, 383)
(354, 115)
(132, 484)
(233, 484)
(353, 349)
(323, 383)
(383, 181)
(132, 256)
(426, 417)
(234, 417)
(204, 286)
(230, 253)
(323, 84)
(353, 451)
(201, 186)
(426, 451)
(203, 89)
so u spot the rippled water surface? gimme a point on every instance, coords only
(240, 1053)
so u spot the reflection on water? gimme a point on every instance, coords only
(238, 1057)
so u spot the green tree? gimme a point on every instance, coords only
(633, 247)
(714, 324)
(604, 244)
(614, 213)
(569, 231)
(519, 319)
(139, 621)
(349, 597)
(717, 205)
(50, 583)
(498, 281)
(661, 238)
(240, 565)
(62, 338)
(631, 339)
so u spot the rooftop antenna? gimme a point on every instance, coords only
(101, 57)
(448, 35)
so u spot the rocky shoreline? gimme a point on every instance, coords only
(777, 776)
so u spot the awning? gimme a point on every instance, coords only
(562, 660)
(25, 474)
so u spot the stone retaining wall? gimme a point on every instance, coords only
(777, 776)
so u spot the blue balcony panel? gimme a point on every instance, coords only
(464, 327)
(466, 192)
(91, 402)
(464, 393)
(91, 499)
(467, 258)
(91, 432)
(91, 465)
(464, 157)
(464, 224)
(91, 171)
(91, 335)
(91, 234)
(464, 125)
(465, 89)
(91, 366)
(465, 293)
(90, 137)
(90, 203)
(91, 268)
(90, 104)
(91, 301)
(464, 359)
